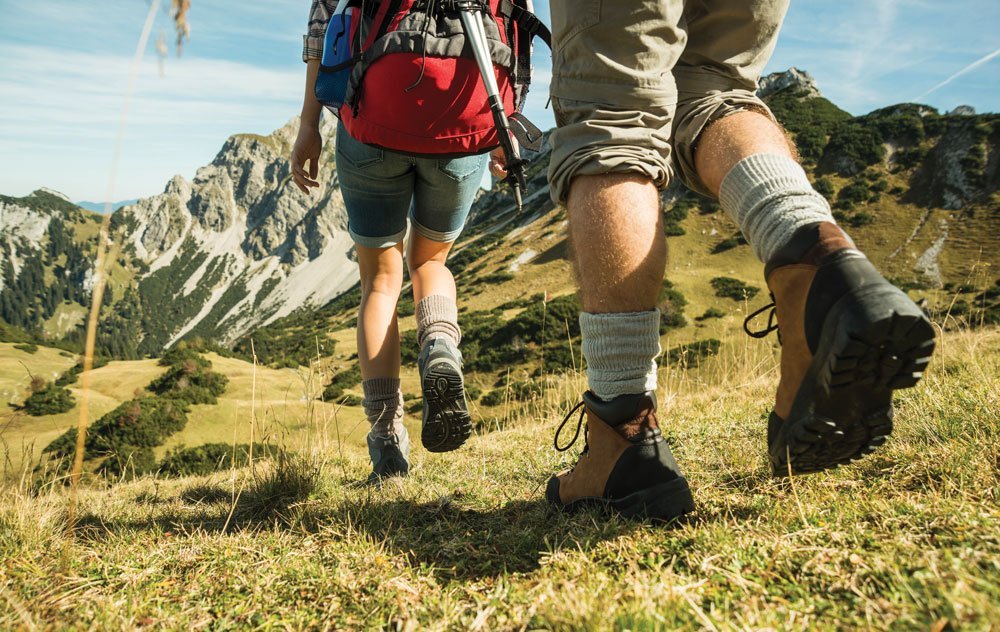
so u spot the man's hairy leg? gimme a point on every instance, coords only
(618, 247)
(619, 254)
(747, 161)
(733, 138)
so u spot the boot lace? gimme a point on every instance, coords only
(772, 321)
(576, 435)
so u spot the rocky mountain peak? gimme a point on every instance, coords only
(793, 78)
(963, 110)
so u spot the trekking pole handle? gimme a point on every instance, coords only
(472, 21)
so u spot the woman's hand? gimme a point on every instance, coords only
(498, 163)
(307, 148)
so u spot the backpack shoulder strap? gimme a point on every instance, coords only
(526, 21)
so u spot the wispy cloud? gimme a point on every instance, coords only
(976, 64)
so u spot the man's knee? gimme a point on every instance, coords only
(696, 118)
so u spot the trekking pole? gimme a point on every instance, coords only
(471, 14)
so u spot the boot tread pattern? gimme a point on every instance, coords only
(447, 424)
(881, 343)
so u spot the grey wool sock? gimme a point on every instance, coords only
(621, 351)
(437, 317)
(383, 405)
(770, 197)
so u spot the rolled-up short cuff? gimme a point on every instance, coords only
(696, 114)
(434, 235)
(377, 242)
(597, 138)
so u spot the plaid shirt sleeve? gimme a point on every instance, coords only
(319, 17)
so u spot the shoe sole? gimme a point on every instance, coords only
(663, 502)
(876, 341)
(446, 423)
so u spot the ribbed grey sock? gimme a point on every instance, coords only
(770, 197)
(383, 405)
(437, 316)
(621, 351)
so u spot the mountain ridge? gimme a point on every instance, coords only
(238, 248)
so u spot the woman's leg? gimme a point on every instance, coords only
(378, 332)
(378, 354)
(433, 289)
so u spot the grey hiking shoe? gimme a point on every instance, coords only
(390, 455)
(446, 422)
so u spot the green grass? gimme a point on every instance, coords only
(902, 539)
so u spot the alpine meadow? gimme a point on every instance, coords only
(223, 481)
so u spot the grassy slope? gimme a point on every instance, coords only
(904, 538)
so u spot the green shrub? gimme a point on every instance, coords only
(671, 304)
(27, 347)
(211, 457)
(854, 146)
(493, 398)
(691, 355)
(711, 312)
(497, 277)
(405, 306)
(726, 287)
(473, 392)
(52, 399)
(859, 219)
(143, 423)
(190, 379)
(128, 462)
(854, 193)
(342, 380)
(673, 217)
(824, 187)
(728, 244)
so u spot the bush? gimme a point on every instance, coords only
(129, 462)
(860, 219)
(824, 187)
(691, 355)
(497, 277)
(493, 398)
(671, 304)
(711, 312)
(854, 193)
(139, 423)
(27, 347)
(342, 381)
(189, 379)
(728, 244)
(473, 392)
(49, 400)
(726, 287)
(853, 147)
(211, 457)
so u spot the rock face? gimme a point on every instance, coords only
(264, 248)
(799, 80)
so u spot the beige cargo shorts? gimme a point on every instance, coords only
(634, 82)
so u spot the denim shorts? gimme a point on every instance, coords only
(381, 188)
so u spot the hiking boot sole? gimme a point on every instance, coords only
(446, 424)
(875, 341)
(665, 501)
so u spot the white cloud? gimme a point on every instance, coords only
(70, 103)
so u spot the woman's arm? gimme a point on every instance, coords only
(308, 143)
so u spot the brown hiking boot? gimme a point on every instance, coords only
(849, 338)
(626, 464)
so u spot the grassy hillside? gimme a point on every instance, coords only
(905, 539)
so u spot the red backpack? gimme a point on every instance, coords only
(413, 84)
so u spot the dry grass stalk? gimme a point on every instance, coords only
(100, 278)
(179, 10)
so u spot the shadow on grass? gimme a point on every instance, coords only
(447, 536)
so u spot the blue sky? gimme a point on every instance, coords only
(65, 68)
